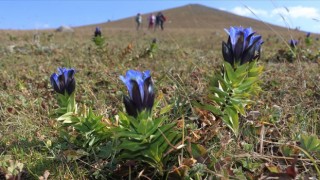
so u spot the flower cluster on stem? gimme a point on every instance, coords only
(141, 92)
(243, 46)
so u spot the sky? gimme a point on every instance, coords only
(43, 14)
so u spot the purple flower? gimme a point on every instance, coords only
(242, 46)
(63, 81)
(293, 43)
(308, 34)
(141, 92)
(97, 32)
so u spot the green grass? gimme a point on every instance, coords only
(289, 104)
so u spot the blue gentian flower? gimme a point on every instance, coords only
(141, 92)
(308, 34)
(63, 81)
(97, 32)
(242, 46)
(293, 43)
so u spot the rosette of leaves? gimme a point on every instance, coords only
(232, 89)
(142, 137)
(145, 139)
(89, 130)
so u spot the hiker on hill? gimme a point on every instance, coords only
(160, 19)
(97, 32)
(152, 20)
(138, 20)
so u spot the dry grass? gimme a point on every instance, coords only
(289, 104)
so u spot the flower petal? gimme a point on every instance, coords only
(140, 88)
(62, 84)
(238, 48)
(63, 80)
(54, 82)
(227, 53)
(136, 95)
(250, 52)
(148, 99)
(130, 106)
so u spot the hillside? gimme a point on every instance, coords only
(195, 16)
(190, 18)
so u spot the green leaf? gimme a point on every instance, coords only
(143, 126)
(238, 105)
(166, 109)
(157, 123)
(288, 150)
(154, 153)
(231, 118)
(171, 137)
(198, 150)
(247, 83)
(72, 106)
(220, 92)
(208, 107)
(119, 133)
(310, 143)
(92, 141)
(223, 82)
(241, 70)
(230, 72)
(105, 151)
(68, 117)
(220, 101)
(211, 108)
(273, 169)
(164, 129)
(124, 120)
(131, 145)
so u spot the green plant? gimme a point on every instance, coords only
(308, 39)
(232, 89)
(99, 41)
(90, 129)
(152, 49)
(232, 92)
(145, 139)
(66, 104)
(310, 143)
(142, 137)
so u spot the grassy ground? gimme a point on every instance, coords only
(288, 106)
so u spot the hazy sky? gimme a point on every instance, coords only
(39, 14)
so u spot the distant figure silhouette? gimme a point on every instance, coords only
(97, 32)
(160, 19)
(138, 21)
(152, 20)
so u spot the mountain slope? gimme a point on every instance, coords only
(194, 16)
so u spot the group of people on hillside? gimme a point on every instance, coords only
(154, 21)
